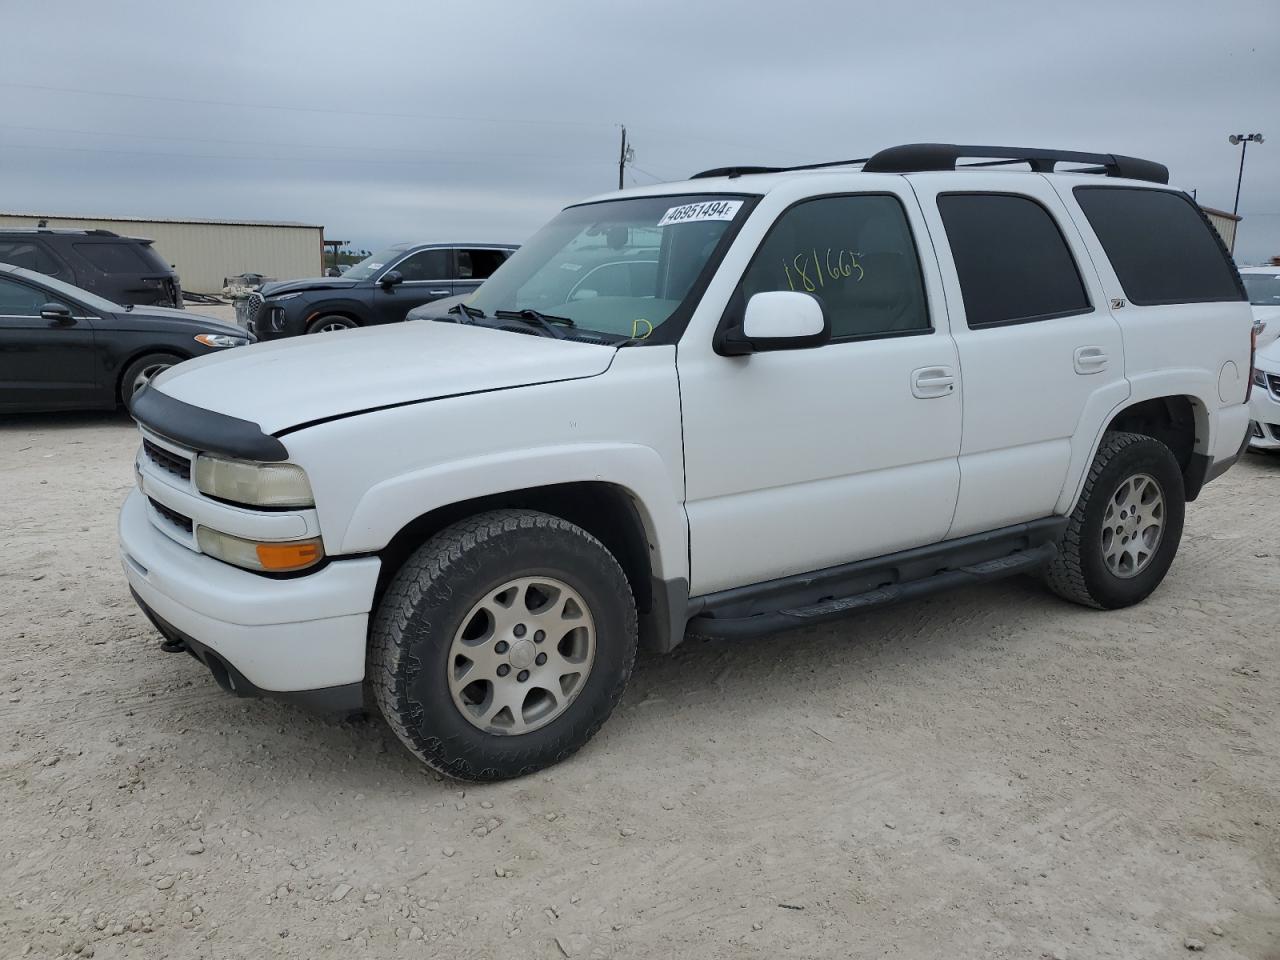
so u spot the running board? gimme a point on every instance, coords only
(731, 616)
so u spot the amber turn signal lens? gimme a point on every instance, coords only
(284, 557)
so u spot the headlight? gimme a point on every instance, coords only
(1259, 378)
(220, 340)
(283, 296)
(252, 555)
(254, 484)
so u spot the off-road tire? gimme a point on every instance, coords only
(423, 607)
(1079, 572)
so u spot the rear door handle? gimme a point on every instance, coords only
(928, 383)
(1090, 360)
(439, 293)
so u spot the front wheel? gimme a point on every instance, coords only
(1124, 532)
(503, 644)
(331, 324)
(141, 372)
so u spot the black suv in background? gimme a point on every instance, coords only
(379, 289)
(124, 270)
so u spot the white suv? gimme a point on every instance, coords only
(781, 396)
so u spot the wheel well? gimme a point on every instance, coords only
(1171, 420)
(344, 313)
(606, 511)
(138, 354)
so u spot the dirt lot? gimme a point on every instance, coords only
(987, 774)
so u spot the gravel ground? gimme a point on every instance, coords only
(986, 774)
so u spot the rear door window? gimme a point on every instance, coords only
(479, 264)
(27, 254)
(1160, 245)
(1012, 260)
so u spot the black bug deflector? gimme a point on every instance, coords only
(204, 430)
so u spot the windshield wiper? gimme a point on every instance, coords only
(548, 323)
(471, 313)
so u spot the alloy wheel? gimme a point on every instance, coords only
(1133, 525)
(521, 655)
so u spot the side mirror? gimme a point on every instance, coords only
(777, 320)
(390, 279)
(58, 312)
(333, 272)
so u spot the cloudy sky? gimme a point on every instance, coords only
(477, 121)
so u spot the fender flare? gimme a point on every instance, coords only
(639, 471)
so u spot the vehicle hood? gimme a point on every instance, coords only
(314, 283)
(167, 318)
(286, 383)
(1268, 357)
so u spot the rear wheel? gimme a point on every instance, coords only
(503, 644)
(141, 372)
(331, 324)
(1124, 532)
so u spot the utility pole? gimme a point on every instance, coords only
(626, 153)
(1244, 140)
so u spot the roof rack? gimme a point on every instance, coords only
(732, 172)
(916, 157)
(919, 157)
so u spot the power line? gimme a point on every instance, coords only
(271, 143)
(307, 159)
(471, 118)
(655, 177)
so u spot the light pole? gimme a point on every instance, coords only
(1244, 139)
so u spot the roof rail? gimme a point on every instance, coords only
(917, 157)
(742, 171)
(102, 233)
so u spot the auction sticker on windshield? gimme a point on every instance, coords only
(708, 210)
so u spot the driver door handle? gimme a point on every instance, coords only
(928, 383)
(438, 293)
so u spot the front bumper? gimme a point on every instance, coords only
(1264, 412)
(279, 637)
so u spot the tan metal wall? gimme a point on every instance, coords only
(1225, 226)
(205, 253)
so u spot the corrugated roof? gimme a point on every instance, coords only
(1220, 213)
(197, 220)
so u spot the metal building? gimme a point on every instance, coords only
(206, 251)
(1224, 223)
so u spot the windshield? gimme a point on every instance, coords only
(90, 300)
(369, 266)
(620, 268)
(1263, 288)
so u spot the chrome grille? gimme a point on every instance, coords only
(1273, 382)
(169, 462)
(177, 519)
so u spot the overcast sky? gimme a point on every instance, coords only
(477, 121)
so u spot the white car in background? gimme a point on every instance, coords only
(1263, 286)
(1264, 401)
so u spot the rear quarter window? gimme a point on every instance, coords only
(130, 258)
(1160, 245)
